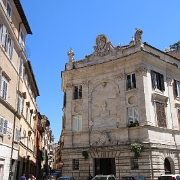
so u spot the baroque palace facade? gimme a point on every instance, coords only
(121, 111)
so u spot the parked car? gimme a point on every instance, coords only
(66, 178)
(169, 177)
(104, 177)
(132, 178)
(54, 175)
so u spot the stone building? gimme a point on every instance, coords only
(121, 111)
(18, 92)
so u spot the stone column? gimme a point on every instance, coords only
(85, 113)
(143, 96)
(170, 106)
(68, 114)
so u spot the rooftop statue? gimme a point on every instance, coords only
(137, 36)
(70, 55)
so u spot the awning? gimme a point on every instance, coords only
(32, 159)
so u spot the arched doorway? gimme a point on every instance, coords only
(167, 166)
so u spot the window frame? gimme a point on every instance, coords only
(17, 134)
(4, 91)
(78, 120)
(134, 163)
(3, 125)
(177, 89)
(77, 94)
(135, 118)
(157, 80)
(9, 13)
(130, 82)
(75, 164)
(21, 40)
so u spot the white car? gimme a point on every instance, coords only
(169, 177)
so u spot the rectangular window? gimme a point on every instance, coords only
(21, 67)
(19, 104)
(134, 164)
(3, 125)
(9, 45)
(132, 115)
(161, 116)
(130, 81)
(77, 123)
(27, 113)
(24, 74)
(17, 135)
(21, 38)
(8, 9)
(177, 88)
(4, 87)
(75, 164)
(23, 140)
(78, 92)
(157, 81)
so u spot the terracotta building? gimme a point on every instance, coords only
(121, 111)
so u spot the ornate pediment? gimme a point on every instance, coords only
(103, 46)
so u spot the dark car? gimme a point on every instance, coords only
(132, 178)
(66, 178)
(55, 174)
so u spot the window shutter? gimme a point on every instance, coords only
(4, 90)
(162, 82)
(130, 115)
(136, 114)
(19, 104)
(1, 125)
(153, 80)
(175, 87)
(133, 81)
(128, 82)
(22, 105)
(3, 37)
(75, 123)
(11, 48)
(80, 122)
(5, 126)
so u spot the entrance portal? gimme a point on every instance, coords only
(105, 166)
(167, 166)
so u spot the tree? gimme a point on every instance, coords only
(175, 46)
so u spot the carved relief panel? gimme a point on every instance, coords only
(104, 110)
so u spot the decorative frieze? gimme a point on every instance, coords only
(141, 70)
(69, 86)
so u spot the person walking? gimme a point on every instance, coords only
(23, 177)
(44, 175)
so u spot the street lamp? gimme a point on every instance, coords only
(29, 135)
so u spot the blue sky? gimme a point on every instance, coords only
(58, 25)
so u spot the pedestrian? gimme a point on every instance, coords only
(90, 177)
(23, 177)
(49, 176)
(33, 177)
(44, 175)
